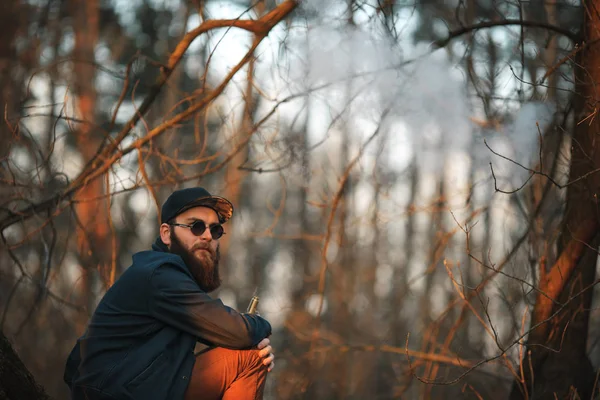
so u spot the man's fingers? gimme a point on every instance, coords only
(266, 351)
(269, 360)
(263, 343)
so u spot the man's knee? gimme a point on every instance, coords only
(242, 374)
(246, 360)
(250, 359)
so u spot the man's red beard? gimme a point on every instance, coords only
(202, 261)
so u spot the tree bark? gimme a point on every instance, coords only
(16, 382)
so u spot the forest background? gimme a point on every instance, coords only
(415, 183)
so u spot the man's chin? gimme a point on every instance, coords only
(204, 257)
(203, 251)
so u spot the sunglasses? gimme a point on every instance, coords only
(199, 226)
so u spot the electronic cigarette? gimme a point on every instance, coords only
(253, 305)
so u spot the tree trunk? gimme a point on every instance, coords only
(16, 382)
(91, 208)
(240, 190)
(9, 91)
(342, 270)
(303, 268)
(556, 364)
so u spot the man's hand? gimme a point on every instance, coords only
(266, 352)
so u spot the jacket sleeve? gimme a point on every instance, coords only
(176, 300)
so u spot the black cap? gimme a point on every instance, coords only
(184, 199)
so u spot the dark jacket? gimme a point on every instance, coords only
(140, 341)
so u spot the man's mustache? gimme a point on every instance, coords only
(203, 246)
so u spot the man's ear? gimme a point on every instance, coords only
(165, 234)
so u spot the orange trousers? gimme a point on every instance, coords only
(221, 373)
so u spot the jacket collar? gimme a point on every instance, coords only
(158, 245)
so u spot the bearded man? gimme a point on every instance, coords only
(140, 341)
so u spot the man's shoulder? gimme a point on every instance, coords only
(155, 258)
(145, 263)
(151, 262)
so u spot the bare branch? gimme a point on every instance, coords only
(506, 22)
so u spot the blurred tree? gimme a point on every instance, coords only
(92, 202)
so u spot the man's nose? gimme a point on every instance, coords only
(206, 235)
